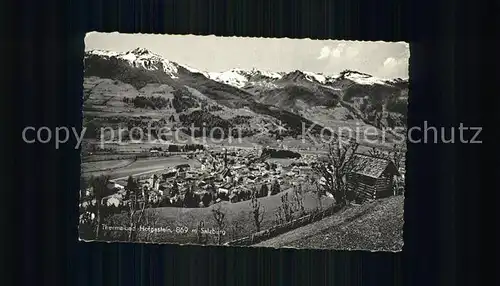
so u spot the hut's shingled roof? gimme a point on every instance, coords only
(371, 166)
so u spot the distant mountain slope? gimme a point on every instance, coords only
(373, 101)
(294, 96)
(121, 87)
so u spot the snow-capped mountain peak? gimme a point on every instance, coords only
(299, 75)
(234, 77)
(269, 74)
(102, 53)
(140, 51)
(239, 77)
(141, 58)
(316, 76)
(360, 78)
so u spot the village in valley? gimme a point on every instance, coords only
(300, 184)
(228, 175)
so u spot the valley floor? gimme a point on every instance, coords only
(119, 170)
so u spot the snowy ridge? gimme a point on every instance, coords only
(240, 78)
(360, 78)
(193, 70)
(266, 74)
(237, 77)
(103, 53)
(316, 76)
(143, 58)
(231, 77)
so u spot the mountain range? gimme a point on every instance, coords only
(139, 87)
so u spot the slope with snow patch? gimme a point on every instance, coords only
(240, 78)
(141, 58)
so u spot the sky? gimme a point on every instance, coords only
(218, 54)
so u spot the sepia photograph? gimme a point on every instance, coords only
(248, 142)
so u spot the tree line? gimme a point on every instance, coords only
(274, 153)
(179, 148)
(150, 102)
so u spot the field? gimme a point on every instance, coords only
(239, 222)
(124, 168)
(374, 225)
(90, 167)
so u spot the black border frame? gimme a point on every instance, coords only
(47, 82)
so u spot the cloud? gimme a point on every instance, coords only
(380, 59)
(337, 53)
(324, 53)
(340, 51)
(392, 67)
(390, 62)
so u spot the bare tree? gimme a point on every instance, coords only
(235, 229)
(137, 211)
(319, 191)
(298, 200)
(220, 219)
(200, 236)
(146, 217)
(340, 163)
(257, 211)
(132, 191)
(279, 217)
(99, 186)
(150, 218)
(378, 153)
(284, 213)
(398, 154)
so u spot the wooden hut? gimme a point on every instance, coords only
(372, 178)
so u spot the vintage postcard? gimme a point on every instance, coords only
(282, 143)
